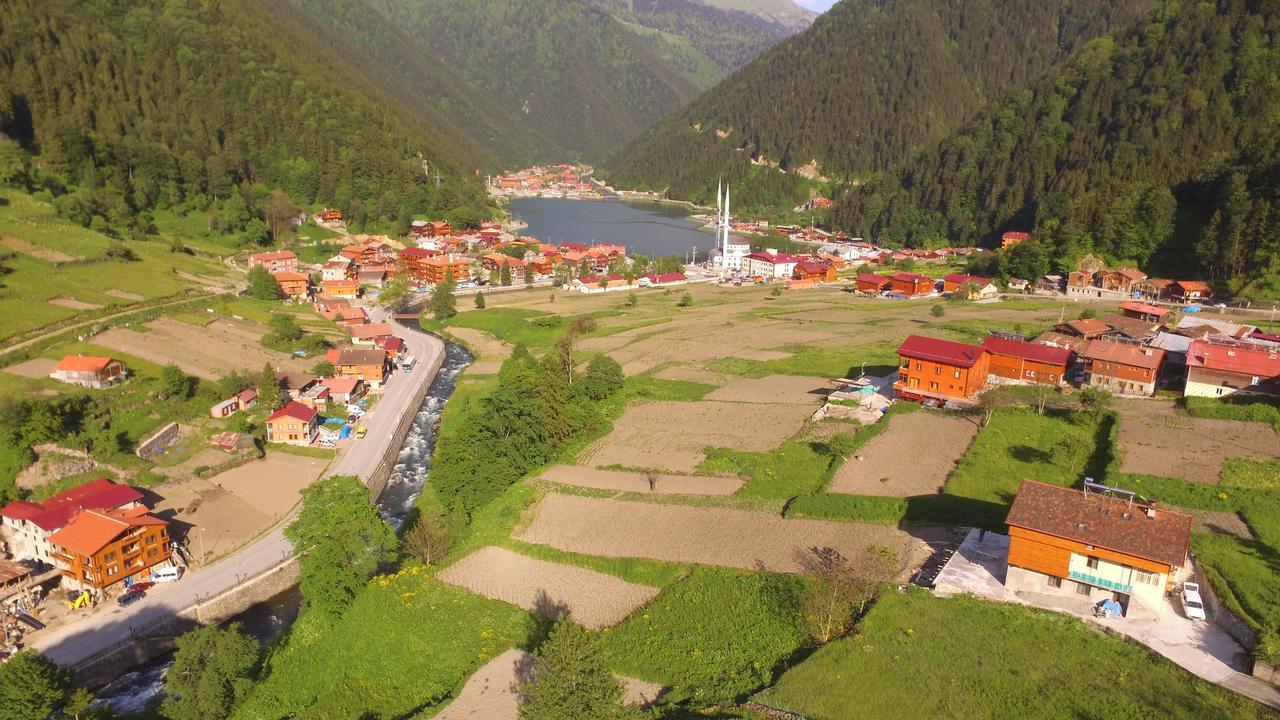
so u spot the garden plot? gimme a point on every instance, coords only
(693, 374)
(639, 482)
(489, 351)
(775, 389)
(1155, 439)
(274, 483)
(33, 369)
(71, 303)
(492, 692)
(592, 599)
(913, 456)
(209, 352)
(672, 436)
(705, 535)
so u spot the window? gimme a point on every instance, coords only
(109, 556)
(956, 374)
(933, 386)
(937, 369)
(113, 569)
(1092, 563)
(152, 553)
(1082, 589)
(1031, 373)
(1054, 582)
(919, 366)
(151, 540)
(1147, 578)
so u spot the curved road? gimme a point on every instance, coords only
(107, 628)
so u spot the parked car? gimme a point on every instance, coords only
(172, 573)
(361, 431)
(140, 587)
(129, 598)
(1191, 601)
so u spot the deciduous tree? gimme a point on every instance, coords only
(444, 304)
(262, 286)
(211, 673)
(571, 679)
(32, 687)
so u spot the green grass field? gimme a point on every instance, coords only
(404, 646)
(916, 656)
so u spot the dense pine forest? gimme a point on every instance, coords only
(117, 109)
(866, 86)
(1158, 146)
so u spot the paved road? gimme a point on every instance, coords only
(109, 626)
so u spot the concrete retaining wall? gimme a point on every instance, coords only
(381, 473)
(245, 595)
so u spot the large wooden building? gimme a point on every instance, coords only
(1025, 363)
(100, 548)
(940, 370)
(1122, 368)
(911, 284)
(1095, 545)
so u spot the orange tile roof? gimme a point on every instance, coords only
(93, 530)
(83, 363)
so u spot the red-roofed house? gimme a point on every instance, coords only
(770, 265)
(910, 284)
(871, 284)
(1122, 368)
(293, 424)
(100, 548)
(1219, 369)
(942, 370)
(1087, 328)
(660, 279)
(391, 345)
(814, 270)
(28, 525)
(413, 263)
(1010, 239)
(345, 389)
(1188, 291)
(1018, 362)
(1142, 311)
(1093, 546)
(368, 335)
(88, 371)
(274, 262)
(494, 262)
(957, 281)
(294, 285)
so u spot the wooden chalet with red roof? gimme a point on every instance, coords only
(1026, 363)
(910, 284)
(295, 286)
(940, 370)
(349, 289)
(1188, 291)
(1012, 238)
(871, 284)
(1095, 544)
(1143, 311)
(1122, 368)
(956, 282)
(814, 270)
(1223, 368)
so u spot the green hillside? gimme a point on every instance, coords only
(127, 108)
(574, 77)
(783, 12)
(1159, 146)
(703, 42)
(864, 88)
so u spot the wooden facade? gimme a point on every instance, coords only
(1051, 555)
(925, 378)
(99, 549)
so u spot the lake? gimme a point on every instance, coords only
(647, 228)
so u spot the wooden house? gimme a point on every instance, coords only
(274, 262)
(1188, 291)
(940, 370)
(1095, 545)
(1122, 280)
(29, 525)
(89, 371)
(100, 548)
(436, 269)
(957, 282)
(871, 284)
(1026, 363)
(1122, 368)
(1153, 314)
(294, 285)
(910, 284)
(1010, 239)
(1087, 328)
(349, 289)
(814, 271)
(367, 364)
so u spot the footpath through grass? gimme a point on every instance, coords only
(918, 656)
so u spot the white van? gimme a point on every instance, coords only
(166, 574)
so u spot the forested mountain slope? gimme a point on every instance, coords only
(1158, 146)
(703, 42)
(574, 76)
(783, 12)
(869, 84)
(131, 106)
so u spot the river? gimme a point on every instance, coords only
(134, 691)
(648, 228)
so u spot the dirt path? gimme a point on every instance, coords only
(592, 599)
(638, 482)
(98, 321)
(913, 457)
(706, 535)
(492, 692)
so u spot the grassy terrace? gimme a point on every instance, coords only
(917, 656)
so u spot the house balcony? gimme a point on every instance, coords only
(1099, 582)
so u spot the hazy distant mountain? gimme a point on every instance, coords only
(784, 12)
(867, 86)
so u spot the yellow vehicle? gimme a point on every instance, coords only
(84, 599)
(361, 431)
